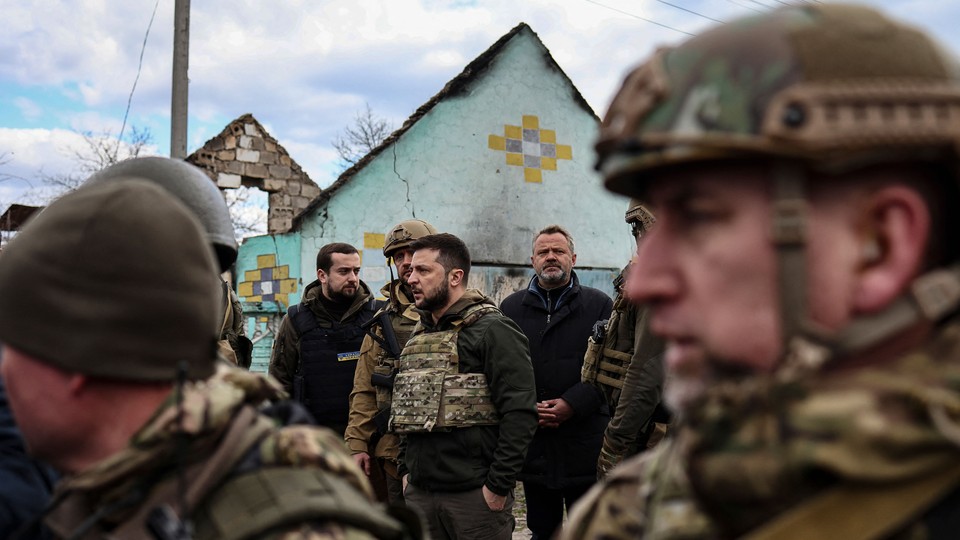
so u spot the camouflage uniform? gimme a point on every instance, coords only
(633, 388)
(805, 451)
(366, 399)
(740, 460)
(231, 442)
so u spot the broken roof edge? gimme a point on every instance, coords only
(472, 70)
(246, 118)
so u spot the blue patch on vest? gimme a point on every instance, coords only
(348, 356)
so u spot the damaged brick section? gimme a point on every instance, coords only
(244, 154)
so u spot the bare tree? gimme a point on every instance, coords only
(248, 217)
(100, 151)
(358, 139)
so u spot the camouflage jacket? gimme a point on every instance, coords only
(636, 402)
(758, 455)
(364, 398)
(228, 446)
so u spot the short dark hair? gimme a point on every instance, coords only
(556, 229)
(453, 252)
(325, 255)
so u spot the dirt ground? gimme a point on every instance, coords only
(520, 532)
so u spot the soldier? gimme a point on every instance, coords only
(463, 400)
(803, 270)
(193, 188)
(624, 360)
(316, 349)
(109, 310)
(373, 382)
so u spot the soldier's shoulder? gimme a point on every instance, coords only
(647, 495)
(614, 508)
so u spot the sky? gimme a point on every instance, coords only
(306, 68)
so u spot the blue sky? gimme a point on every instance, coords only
(304, 68)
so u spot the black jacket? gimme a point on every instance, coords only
(557, 328)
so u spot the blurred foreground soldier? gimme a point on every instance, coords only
(316, 349)
(388, 332)
(109, 307)
(624, 360)
(803, 270)
(193, 188)
(463, 400)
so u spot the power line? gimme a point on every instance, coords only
(690, 11)
(639, 17)
(734, 2)
(143, 48)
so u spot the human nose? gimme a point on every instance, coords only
(654, 275)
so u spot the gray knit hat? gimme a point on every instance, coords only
(113, 280)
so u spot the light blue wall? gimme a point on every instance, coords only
(452, 169)
(268, 281)
(444, 170)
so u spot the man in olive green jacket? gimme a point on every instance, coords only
(448, 471)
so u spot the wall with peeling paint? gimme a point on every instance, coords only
(448, 168)
(268, 280)
(493, 161)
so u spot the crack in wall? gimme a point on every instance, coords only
(413, 211)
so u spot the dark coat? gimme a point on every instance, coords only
(564, 456)
(25, 484)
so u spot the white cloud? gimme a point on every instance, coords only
(305, 67)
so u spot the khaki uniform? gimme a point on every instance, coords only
(366, 399)
(234, 344)
(843, 453)
(628, 368)
(244, 476)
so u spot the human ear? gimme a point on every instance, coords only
(455, 277)
(896, 229)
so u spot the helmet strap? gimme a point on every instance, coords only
(789, 238)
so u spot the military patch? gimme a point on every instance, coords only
(348, 356)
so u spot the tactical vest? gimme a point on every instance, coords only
(328, 360)
(430, 393)
(608, 355)
(403, 327)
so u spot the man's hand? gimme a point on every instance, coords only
(363, 460)
(494, 502)
(553, 412)
(403, 482)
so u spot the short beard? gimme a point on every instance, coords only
(554, 280)
(438, 300)
(343, 298)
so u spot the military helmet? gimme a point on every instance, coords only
(193, 188)
(639, 217)
(829, 85)
(404, 233)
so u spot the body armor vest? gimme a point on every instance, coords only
(328, 360)
(403, 323)
(430, 393)
(609, 352)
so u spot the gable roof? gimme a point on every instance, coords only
(16, 215)
(453, 88)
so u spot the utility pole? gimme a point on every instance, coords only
(181, 58)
